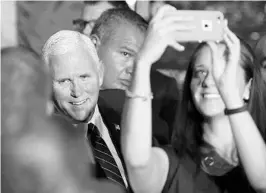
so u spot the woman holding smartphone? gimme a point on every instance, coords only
(221, 130)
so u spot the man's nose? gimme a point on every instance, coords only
(129, 70)
(87, 30)
(76, 90)
(129, 67)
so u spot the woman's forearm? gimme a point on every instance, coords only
(147, 167)
(250, 144)
(251, 148)
(136, 120)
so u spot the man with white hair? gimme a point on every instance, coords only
(77, 77)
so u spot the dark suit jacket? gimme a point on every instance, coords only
(164, 104)
(111, 118)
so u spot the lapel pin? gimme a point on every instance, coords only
(117, 127)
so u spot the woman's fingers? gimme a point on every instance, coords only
(228, 42)
(173, 29)
(233, 45)
(216, 68)
(214, 50)
(177, 46)
(161, 12)
(173, 19)
(231, 35)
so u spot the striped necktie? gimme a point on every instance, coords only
(103, 155)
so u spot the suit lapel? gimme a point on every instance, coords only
(112, 121)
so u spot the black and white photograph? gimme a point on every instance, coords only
(134, 96)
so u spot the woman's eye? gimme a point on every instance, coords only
(199, 73)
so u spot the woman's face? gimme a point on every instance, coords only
(205, 94)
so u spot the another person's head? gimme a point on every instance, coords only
(260, 51)
(92, 11)
(201, 100)
(118, 35)
(35, 153)
(25, 86)
(76, 72)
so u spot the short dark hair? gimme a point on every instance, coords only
(116, 4)
(104, 25)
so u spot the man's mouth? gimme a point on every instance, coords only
(79, 103)
(125, 82)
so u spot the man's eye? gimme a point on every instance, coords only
(263, 64)
(125, 54)
(64, 81)
(84, 77)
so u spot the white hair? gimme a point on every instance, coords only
(63, 41)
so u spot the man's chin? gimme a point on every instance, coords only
(82, 117)
(77, 119)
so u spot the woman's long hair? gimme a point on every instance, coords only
(260, 49)
(187, 136)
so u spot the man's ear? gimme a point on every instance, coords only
(49, 107)
(246, 94)
(101, 73)
(95, 40)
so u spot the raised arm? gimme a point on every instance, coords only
(147, 167)
(249, 142)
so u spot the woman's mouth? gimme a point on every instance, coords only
(211, 95)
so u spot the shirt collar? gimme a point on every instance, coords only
(96, 116)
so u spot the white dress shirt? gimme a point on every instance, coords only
(97, 120)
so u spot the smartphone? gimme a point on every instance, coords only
(207, 26)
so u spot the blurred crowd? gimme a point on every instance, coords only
(98, 96)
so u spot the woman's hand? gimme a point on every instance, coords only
(226, 76)
(162, 33)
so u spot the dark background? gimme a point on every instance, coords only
(38, 20)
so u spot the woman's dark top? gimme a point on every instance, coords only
(185, 176)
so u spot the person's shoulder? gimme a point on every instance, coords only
(185, 176)
(173, 167)
(106, 108)
(108, 113)
(163, 86)
(170, 151)
(112, 98)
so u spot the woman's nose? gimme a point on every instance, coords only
(208, 80)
